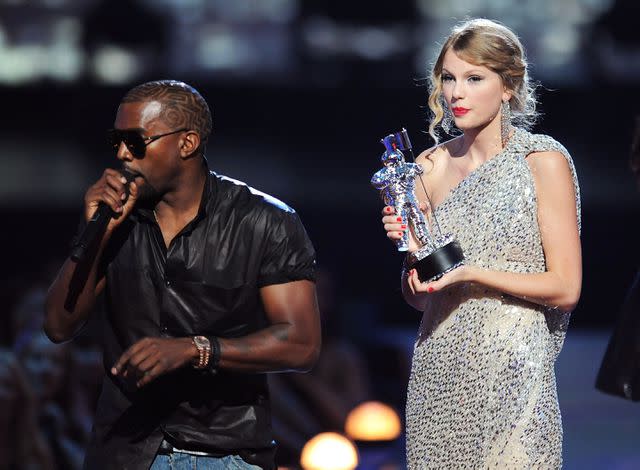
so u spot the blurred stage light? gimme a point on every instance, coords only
(65, 57)
(221, 48)
(375, 43)
(559, 44)
(329, 451)
(373, 421)
(115, 65)
(22, 64)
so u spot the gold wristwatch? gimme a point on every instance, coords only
(204, 350)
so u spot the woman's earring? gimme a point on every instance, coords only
(505, 122)
(448, 124)
(447, 120)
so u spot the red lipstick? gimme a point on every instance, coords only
(459, 111)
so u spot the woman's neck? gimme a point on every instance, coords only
(482, 143)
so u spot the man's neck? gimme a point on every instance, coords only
(183, 202)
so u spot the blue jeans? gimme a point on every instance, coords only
(182, 461)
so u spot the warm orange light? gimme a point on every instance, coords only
(329, 451)
(373, 421)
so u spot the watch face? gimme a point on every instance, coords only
(201, 341)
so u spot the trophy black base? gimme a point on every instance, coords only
(440, 261)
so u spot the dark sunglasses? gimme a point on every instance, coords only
(135, 142)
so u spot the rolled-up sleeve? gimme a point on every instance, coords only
(289, 254)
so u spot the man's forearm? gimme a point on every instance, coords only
(276, 348)
(70, 298)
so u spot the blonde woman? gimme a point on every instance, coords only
(482, 391)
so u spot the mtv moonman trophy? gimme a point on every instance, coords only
(438, 253)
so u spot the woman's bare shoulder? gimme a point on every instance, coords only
(436, 155)
(549, 164)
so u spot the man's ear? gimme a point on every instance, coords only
(189, 143)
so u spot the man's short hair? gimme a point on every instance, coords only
(182, 105)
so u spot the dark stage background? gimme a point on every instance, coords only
(316, 149)
(301, 93)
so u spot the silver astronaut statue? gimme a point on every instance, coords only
(396, 181)
(438, 253)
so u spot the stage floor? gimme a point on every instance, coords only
(600, 431)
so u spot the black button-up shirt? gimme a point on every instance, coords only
(206, 283)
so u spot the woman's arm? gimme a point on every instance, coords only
(560, 285)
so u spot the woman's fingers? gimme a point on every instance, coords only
(388, 210)
(418, 287)
(393, 223)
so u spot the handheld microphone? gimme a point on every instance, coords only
(98, 223)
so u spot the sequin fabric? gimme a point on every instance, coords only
(482, 391)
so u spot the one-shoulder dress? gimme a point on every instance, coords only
(482, 390)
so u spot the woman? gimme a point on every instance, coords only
(482, 389)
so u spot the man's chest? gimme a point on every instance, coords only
(199, 284)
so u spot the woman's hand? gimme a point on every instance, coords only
(460, 274)
(395, 227)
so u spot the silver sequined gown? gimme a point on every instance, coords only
(482, 392)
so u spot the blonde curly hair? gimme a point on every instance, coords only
(490, 44)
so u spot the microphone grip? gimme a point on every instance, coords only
(97, 224)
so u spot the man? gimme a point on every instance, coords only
(207, 284)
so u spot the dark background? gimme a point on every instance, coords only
(301, 93)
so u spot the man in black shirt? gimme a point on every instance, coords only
(207, 284)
